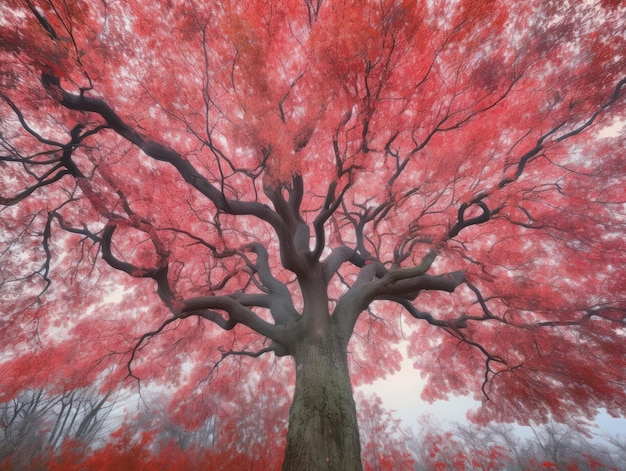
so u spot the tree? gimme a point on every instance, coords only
(383, 439)
(187, 186)
(36, 424)
(499, 447)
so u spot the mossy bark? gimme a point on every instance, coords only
(323, 431)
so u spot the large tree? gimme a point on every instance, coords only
(317, 180)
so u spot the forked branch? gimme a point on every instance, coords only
(161, 153)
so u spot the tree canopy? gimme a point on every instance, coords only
(187, 187)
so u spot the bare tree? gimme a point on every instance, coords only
(35, 424)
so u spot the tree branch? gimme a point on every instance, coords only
(237, 312)
(144, 338)
(523, 161)
(409, 288)
(271, 348)
(42, 21)
(291, 229)
(338, 257)
(163, 153)
(541, 141)
(10, 201)
(279, 299)
(399, 274)
(458, 323)
(462, 223)
(330, 206)
(25, 125)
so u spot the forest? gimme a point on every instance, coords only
(73, 431)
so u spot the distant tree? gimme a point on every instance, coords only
(383, 438)
(500, 447)
(566, 449)
(152, 416)
(187, 186)
(34, 425)
(618, 448)
(462, 448)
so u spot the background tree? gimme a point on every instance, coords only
(236, 439)
(384, 441)
(501, 447)
(317, 180)
(35, 424)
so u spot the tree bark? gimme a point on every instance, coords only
(323, 431)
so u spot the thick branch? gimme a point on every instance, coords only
(410, 272)
(338, 257)
(330, 206)
(158, 274)
(113, 261)
(458, 323)
(292, 231)
(409, 288)
(462, 223)
(237, 311)
(374, 283)
(279, 299)
(360, 220)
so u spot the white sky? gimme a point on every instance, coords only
(401, 393)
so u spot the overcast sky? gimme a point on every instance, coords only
(401, 393)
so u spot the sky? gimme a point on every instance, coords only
(401, 393)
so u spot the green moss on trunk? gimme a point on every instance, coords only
(323, 430)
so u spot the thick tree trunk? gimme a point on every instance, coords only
(323, 431)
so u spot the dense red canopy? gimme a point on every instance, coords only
(452, 172)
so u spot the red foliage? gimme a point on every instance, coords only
(383, 441)
(186, 181)
(445, 452)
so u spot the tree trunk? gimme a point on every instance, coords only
(323, 431)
